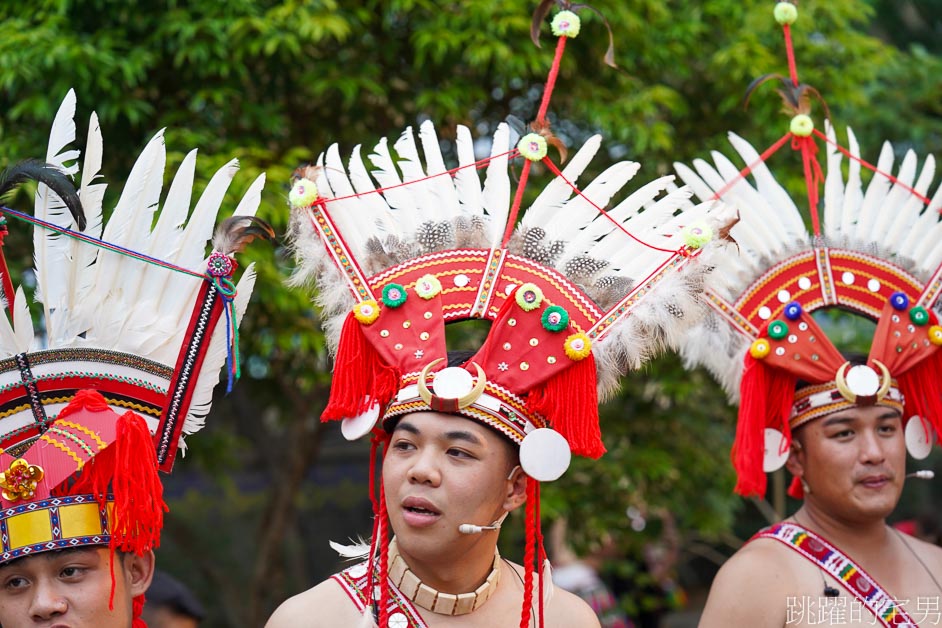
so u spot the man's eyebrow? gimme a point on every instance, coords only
(464, 436)
(837, 420)
(405, 426)
(889, 414)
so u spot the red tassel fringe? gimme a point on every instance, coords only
(361, 376)
(570, 402)
(795, 490)
(766, 399)
(138, 608)
(531, 524)
(920, 388)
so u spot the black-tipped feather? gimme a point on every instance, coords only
(52, 177)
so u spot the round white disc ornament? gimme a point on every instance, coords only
(544, 455)
(452, 383)
(356, 427)
(862, 380)
(919, 438)
(774, 457)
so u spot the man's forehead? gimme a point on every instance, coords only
(859, 413)
(55, 555)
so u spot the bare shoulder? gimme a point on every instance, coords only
(325, 605)
(930, 553)
(751, 588)
(566, 609)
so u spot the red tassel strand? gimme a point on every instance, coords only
(138, 608)
(570, 402)
(795, 490)
(383, 560)
(919, 386)
(529, 552)
(766, 399)
(361, 376)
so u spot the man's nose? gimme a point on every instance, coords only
(47, 602)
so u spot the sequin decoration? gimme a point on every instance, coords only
(220, 265)
(394, 295)
(528, 296)
(555, 318)
(366, 311)
(20, 480)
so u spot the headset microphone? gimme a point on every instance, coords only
(470, 528)
(922, 474)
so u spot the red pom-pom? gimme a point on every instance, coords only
(796, 490)
(920, 388)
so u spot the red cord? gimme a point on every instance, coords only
(872, 168)
(790, 52)
(555, 170)
(551, 78)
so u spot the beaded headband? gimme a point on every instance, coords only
(874, 252)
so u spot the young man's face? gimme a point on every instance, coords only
(442, 471)
(854, 461)
(71, 589)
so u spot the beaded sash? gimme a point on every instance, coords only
(402, 613)
(830, 559)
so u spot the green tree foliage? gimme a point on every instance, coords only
(275, 82)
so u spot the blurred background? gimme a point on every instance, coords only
(264, 486)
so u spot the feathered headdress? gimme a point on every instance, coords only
(875, 253)
(576, 294)
(129, 349)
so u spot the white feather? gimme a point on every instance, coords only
(467, 181)
(51, 249)
(557, 192)
(403, 212)
(441, 187)
(496, 194)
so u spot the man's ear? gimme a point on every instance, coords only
(139, 571)
(796, 459)
(516, 493)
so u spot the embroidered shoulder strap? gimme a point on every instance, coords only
(402, 613)
(830, 559)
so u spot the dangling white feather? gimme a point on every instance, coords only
(373, 203)
(22, 323)
(357, 550)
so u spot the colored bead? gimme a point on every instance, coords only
(793, 311)
(394, 295)
(801, 125)
(428, 286)
(303, 194)
(566, 24)
(528, 297)
(578, 346)
(899, 301)
(532, 146)
(366, 311)
(918, 315)
(697, 235)
(760, 348)
(555, 318)
(935, 335)
(778, 330)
